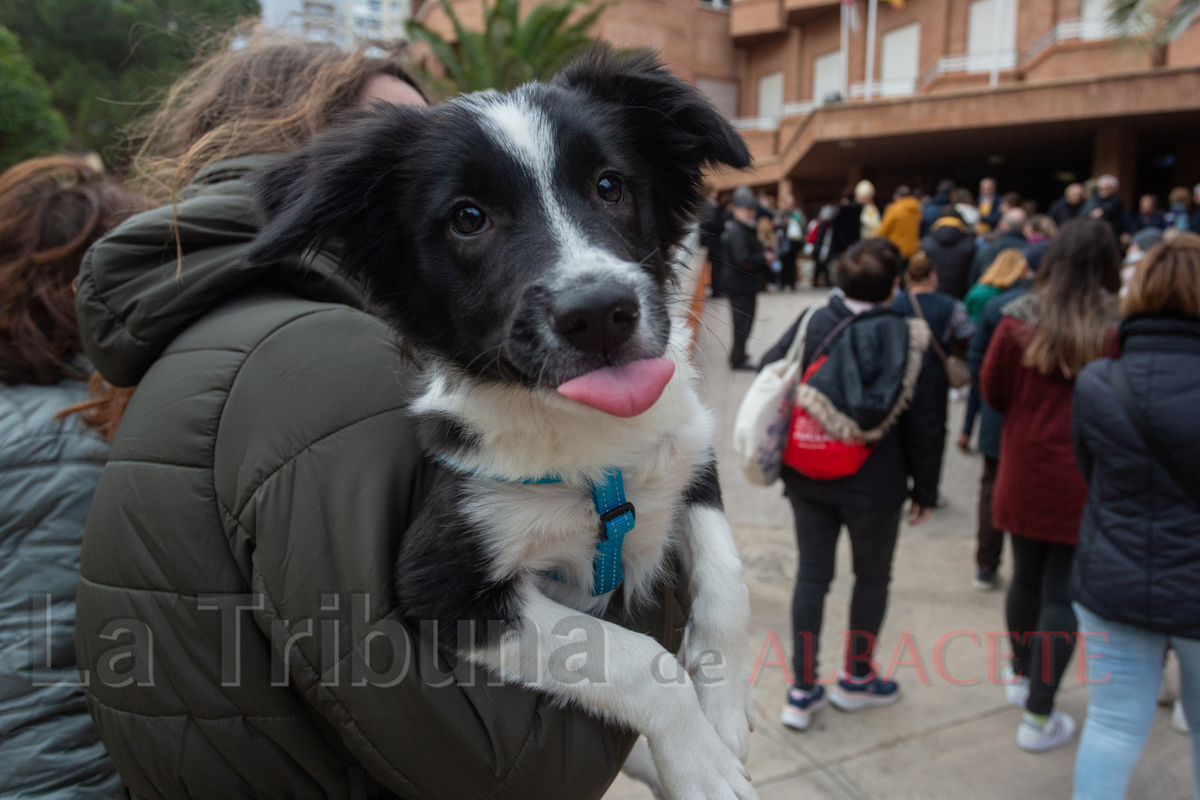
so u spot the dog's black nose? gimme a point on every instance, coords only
(597, 317)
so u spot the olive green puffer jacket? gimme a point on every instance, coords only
(235, 613)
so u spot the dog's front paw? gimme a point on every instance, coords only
(729, 706)
(725, 693)
(695, 764)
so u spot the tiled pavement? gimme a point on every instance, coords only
(941, 740)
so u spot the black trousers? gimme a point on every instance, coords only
(1041, 617)
(990, 538)
(873, 542)
(743, 306)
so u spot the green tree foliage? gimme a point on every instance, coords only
(1161, 21)
(509, 51)
(29, 125)
(105, 60)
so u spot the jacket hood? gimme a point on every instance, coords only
(870, 375)
(135, 294)
(947, 234)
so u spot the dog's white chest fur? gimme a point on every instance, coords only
(542, 528)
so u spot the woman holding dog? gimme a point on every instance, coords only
(245, 530)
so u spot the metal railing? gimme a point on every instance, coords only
(891, 88)
(975, 62)
(756, 123)
(772, 123)
(1072, 29)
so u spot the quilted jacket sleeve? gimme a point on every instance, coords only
(318, 466)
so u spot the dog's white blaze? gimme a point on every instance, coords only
(520, 127)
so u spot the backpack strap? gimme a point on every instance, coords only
(1158, 450)
(933, 340)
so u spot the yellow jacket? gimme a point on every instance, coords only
(902, 224)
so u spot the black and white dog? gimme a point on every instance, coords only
(522, 246)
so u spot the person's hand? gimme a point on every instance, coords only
(917, 513)
(1097, 213)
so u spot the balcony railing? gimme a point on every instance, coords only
(1072, 29)
(892, 88)
(756, 123)
(772, 123)
(974, 63)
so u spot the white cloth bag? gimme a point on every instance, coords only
(760, 429)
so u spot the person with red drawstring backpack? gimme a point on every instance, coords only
(867, 435)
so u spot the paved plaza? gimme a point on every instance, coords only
(941, 740)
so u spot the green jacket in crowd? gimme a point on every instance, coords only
(252, 506)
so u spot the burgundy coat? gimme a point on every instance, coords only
(1039, 493)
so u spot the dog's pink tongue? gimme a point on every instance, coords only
(623, 391)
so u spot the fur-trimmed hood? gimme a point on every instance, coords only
(869, 378)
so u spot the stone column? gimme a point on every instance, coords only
(1115, 153)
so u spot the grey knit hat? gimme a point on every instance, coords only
(743, 197)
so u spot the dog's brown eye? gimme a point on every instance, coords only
(468, 220)
(611, 189)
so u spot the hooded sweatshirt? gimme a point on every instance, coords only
(952, 250)
(244, 535)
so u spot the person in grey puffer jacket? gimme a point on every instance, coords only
(1136, 574)
(51, 210)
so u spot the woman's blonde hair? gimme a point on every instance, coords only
(259, 92)
(920, 267)
(1076, 292)
(1008, 268)
(1167, 279)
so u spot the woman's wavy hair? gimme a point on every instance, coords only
(258, 92)
(1076, 288)
(51, 210)
(1167, 279)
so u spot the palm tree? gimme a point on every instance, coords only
(509, 51)
(1146, 19)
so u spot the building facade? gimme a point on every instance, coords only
(1037, 93)
(340, 21)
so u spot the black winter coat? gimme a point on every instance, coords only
(847, 228)
(744, 260)
(913, 446)
(1138, 558)
(952, 251)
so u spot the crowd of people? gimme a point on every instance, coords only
(1080, 333)
(1080, 364)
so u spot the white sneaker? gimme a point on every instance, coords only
(1037, 737)
(800, 706)
(1017, 692)
(1178, 720)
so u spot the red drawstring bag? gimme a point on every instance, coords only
(812, 452)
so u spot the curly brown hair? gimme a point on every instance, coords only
(51, 211)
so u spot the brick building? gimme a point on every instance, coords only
(1034, 92)
(692, 35)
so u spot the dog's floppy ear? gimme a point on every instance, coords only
(337, 184)
(672, 122)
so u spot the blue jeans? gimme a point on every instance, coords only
(1121, 709)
